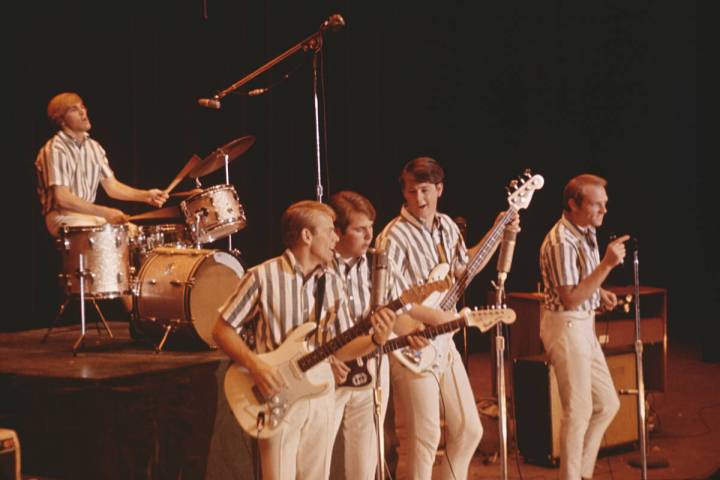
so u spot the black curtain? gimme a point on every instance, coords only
(487, 88)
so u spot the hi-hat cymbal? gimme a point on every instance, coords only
(164, 213)
(216, 159)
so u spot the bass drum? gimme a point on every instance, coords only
(182, 289)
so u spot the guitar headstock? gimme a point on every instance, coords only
(487, 317)
(520, 190)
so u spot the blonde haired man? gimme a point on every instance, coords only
(71, 166)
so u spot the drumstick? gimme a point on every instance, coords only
(167, 212)
(186, 193)
(192, 163)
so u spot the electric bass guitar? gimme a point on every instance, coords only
(303, 372)
(520, 193)
(360, 377)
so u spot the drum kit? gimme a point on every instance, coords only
(176, 284)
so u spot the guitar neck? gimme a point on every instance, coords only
(308, 361)
(429, 332)
(473, 268)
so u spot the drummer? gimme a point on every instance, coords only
(71, 165)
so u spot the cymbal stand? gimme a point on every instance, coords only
(227, 182)
(500, 371)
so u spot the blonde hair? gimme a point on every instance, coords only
(300, 215)
(59, 105)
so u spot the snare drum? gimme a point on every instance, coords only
(106, 258)
(184, 288)
(214, 213)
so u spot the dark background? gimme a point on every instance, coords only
(487, 88)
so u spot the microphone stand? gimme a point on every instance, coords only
(642, 463)
(500, 372)
(379, 283)
(313, 42)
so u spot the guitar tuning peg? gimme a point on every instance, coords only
(504, 305)
(527, 173)
(507, 190)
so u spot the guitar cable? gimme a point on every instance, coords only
(442, 405)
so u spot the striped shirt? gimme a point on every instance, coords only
(63, 161)
(281, 298)
(568, 255)
(413, 252)
(356, 276)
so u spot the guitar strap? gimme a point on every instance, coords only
(442, 254)
(321, 332)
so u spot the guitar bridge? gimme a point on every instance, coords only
(411, 355)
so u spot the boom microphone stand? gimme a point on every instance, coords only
(313, 42)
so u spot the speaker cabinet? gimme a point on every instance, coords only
(538, 411)
(9, 455)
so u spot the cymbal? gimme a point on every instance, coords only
(216, 159)
(164, 213)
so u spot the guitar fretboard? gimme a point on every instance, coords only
(473, 268)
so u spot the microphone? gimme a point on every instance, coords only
(209, 103)
(334, 22)
(256, 91)
(379, 276)
(506, 250)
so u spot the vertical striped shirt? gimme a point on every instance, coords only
(63, 161)
(568, 254)
(281, 298)
(356, 277)
(413, 252)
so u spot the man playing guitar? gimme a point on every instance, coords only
(284, 293)
(417, 241)
(354, 407)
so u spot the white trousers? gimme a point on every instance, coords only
(355, 411)
(587, 393)
(418, 401)
(300, 450)
(55, 220)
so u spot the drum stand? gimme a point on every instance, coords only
(81, 273)
(169, 327)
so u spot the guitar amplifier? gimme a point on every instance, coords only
(538, 410)
(9, 455)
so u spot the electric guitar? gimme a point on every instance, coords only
(520, 193)
(360, 377)
(304, 372)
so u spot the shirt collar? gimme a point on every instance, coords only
(589, 233)
(405, 213)
(295, 266)
(70, 139)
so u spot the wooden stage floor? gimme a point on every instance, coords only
(119, 410)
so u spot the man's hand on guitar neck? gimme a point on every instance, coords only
(513, 225)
